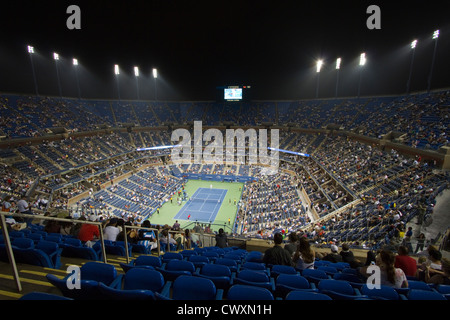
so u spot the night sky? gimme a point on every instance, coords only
(198, 46)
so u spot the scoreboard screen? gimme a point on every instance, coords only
(234, 93)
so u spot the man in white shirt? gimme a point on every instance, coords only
(111, 231)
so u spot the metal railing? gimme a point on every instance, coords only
(204, 239)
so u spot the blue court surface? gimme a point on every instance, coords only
(203, 205)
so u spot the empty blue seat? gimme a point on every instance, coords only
(383, 293)
(53, 251)
(339, 290)
(306, 295)
(195, 288)
(254, 278)
(175, 268)
(241, 292)
(168, 256)
(286, 283)
(42, 296)
(143, 261)
(315, 275)
(91, 274)
(22, 243)
(219, 274)
(418, 294)
(198, 261)
(277, 269)
(230, 263)
(211, 255)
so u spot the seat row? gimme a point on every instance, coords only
(101, 281)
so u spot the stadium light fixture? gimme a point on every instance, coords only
(362, 59)
(319, 65)
(362, 62)
(117, 72)
(75, 63)
(136, 74)
(435, 37)
(338, 66)
(30, 53)
(116, 69)
(413, 48)
(56, 58)
(155, 76)
(436, 34)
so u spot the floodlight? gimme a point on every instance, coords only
(338, 63)
(30, 49)
(413, 44)
(55, 56)
(319, 65)
(136, 71)
(155, 73)
(116, 69)
(436, 34)
(362, 59)
(75, 62)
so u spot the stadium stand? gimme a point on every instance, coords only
(376, 164)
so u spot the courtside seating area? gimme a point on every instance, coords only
(227, 274)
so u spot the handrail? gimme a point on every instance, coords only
(37, 216)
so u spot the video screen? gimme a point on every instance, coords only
(233, 94)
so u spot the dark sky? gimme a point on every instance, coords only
(200, 45)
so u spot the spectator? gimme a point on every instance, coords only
(221, 239)
(277, 254)
(349, 257)
(420, 243)
(304, 256)
(89, 233)
(111, 230)
(390, 275)
(291, 247)
(439, 277)
(405, 262)
(333, 256)
(147, 238)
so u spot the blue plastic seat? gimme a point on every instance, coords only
(168, 256)
(306, 295)
(277, 270)
(22, 243)
(255, 278)
(257, 266)
(53, 251)
(91, 274)
(136, 284)
(286, 283)
(329, 270)
(175, 268)
(241, 292)
(315, 275)
(339, 290)
(230, 263)
(219, 274)
(418, 294)
(198, 261)
(195, 288)
(42, 296)
(211, 255)
(383, 293)
(354, 280)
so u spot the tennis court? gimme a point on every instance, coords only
(203, 205)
